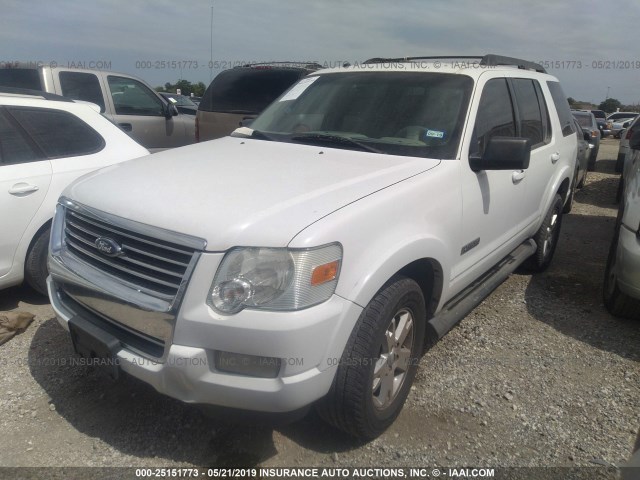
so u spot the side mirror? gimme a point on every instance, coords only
(503, 153)
(170, 110)
(634, 141)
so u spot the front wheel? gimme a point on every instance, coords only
(379, 362)
(547, 238)
(35, 269)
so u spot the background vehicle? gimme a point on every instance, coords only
(582, 164)
(588, 124)
(603, 124)
(619, 115)
(624, 144)
(124, 99)
(183, 103)
(368, 211)
(242, 93)
(619, 125)
(44, 145)
(622, 274)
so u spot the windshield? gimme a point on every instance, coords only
(399, 113)
(181, 100)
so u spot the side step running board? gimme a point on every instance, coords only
(459, 306)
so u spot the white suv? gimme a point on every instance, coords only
(46, 141)
(309, 259)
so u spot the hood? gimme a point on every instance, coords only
(241, 192)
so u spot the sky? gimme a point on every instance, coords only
(581, 42)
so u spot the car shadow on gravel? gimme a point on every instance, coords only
(599, 193)
(568, 296)
(10, 298)
(134, 419)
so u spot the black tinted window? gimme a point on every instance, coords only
(598, 114)
(247, 90)
(529, 113)
(20, 78)
(58, 133)
(562, 107)
(82, 86)
(495, 114)
(14, 146)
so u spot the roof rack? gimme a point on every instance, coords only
(489, 60)
(34, 93)
(314, 65)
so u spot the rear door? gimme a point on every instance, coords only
(25, 176)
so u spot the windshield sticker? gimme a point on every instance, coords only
(299, 88)
(435, 134)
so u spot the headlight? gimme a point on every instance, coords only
(275, 278)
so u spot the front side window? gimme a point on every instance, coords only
(131, 97)
(57, 133)
(495, 114)
(15, 147)
(82, 86)
(398, 113)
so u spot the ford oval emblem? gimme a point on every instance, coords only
(109, 247)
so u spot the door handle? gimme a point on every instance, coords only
(20, 188)
(555, 156)
(127, 127)
(518, 175)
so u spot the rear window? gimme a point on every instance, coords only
(20, 78)
(57, 133)
(247, 90)
(599, 114)
(584, 120)
(562, 107)
(82, 86)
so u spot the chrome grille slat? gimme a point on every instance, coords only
(150, 264)
(129, 235)
(119, 267)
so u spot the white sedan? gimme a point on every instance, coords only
(46, 142)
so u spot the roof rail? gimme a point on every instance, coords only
(34, 93)
(284, 64)
(489, 60)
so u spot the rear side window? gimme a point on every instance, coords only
(247, 90)
(20, 78)
(495, 114)
(15, 147)
(57, 133)
(82, 86)
(529, 112)
(562, 107)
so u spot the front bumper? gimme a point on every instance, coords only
(189, 373)
(628, 262)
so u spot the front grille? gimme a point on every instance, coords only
(155, 266)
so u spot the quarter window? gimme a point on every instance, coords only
(57, 133)
(562, 107)
(131, 97)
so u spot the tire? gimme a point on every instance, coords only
(35, 268)
(619, 190)
(591, 164)
(619, 164)
(546, 238)
(583, 180)
(616, 302)
(364, 398)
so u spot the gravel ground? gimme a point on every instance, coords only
(538, 375)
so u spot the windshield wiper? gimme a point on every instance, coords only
(257, 134)
(326, 138)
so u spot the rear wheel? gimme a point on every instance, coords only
(35, 269)
(547, 238)
(379, 362)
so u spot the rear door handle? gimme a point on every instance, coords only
(518, 175)
(21, 188)
(555, 156)
(127, 127)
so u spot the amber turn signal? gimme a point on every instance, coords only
(325, 273)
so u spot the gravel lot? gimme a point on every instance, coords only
(538, 375)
